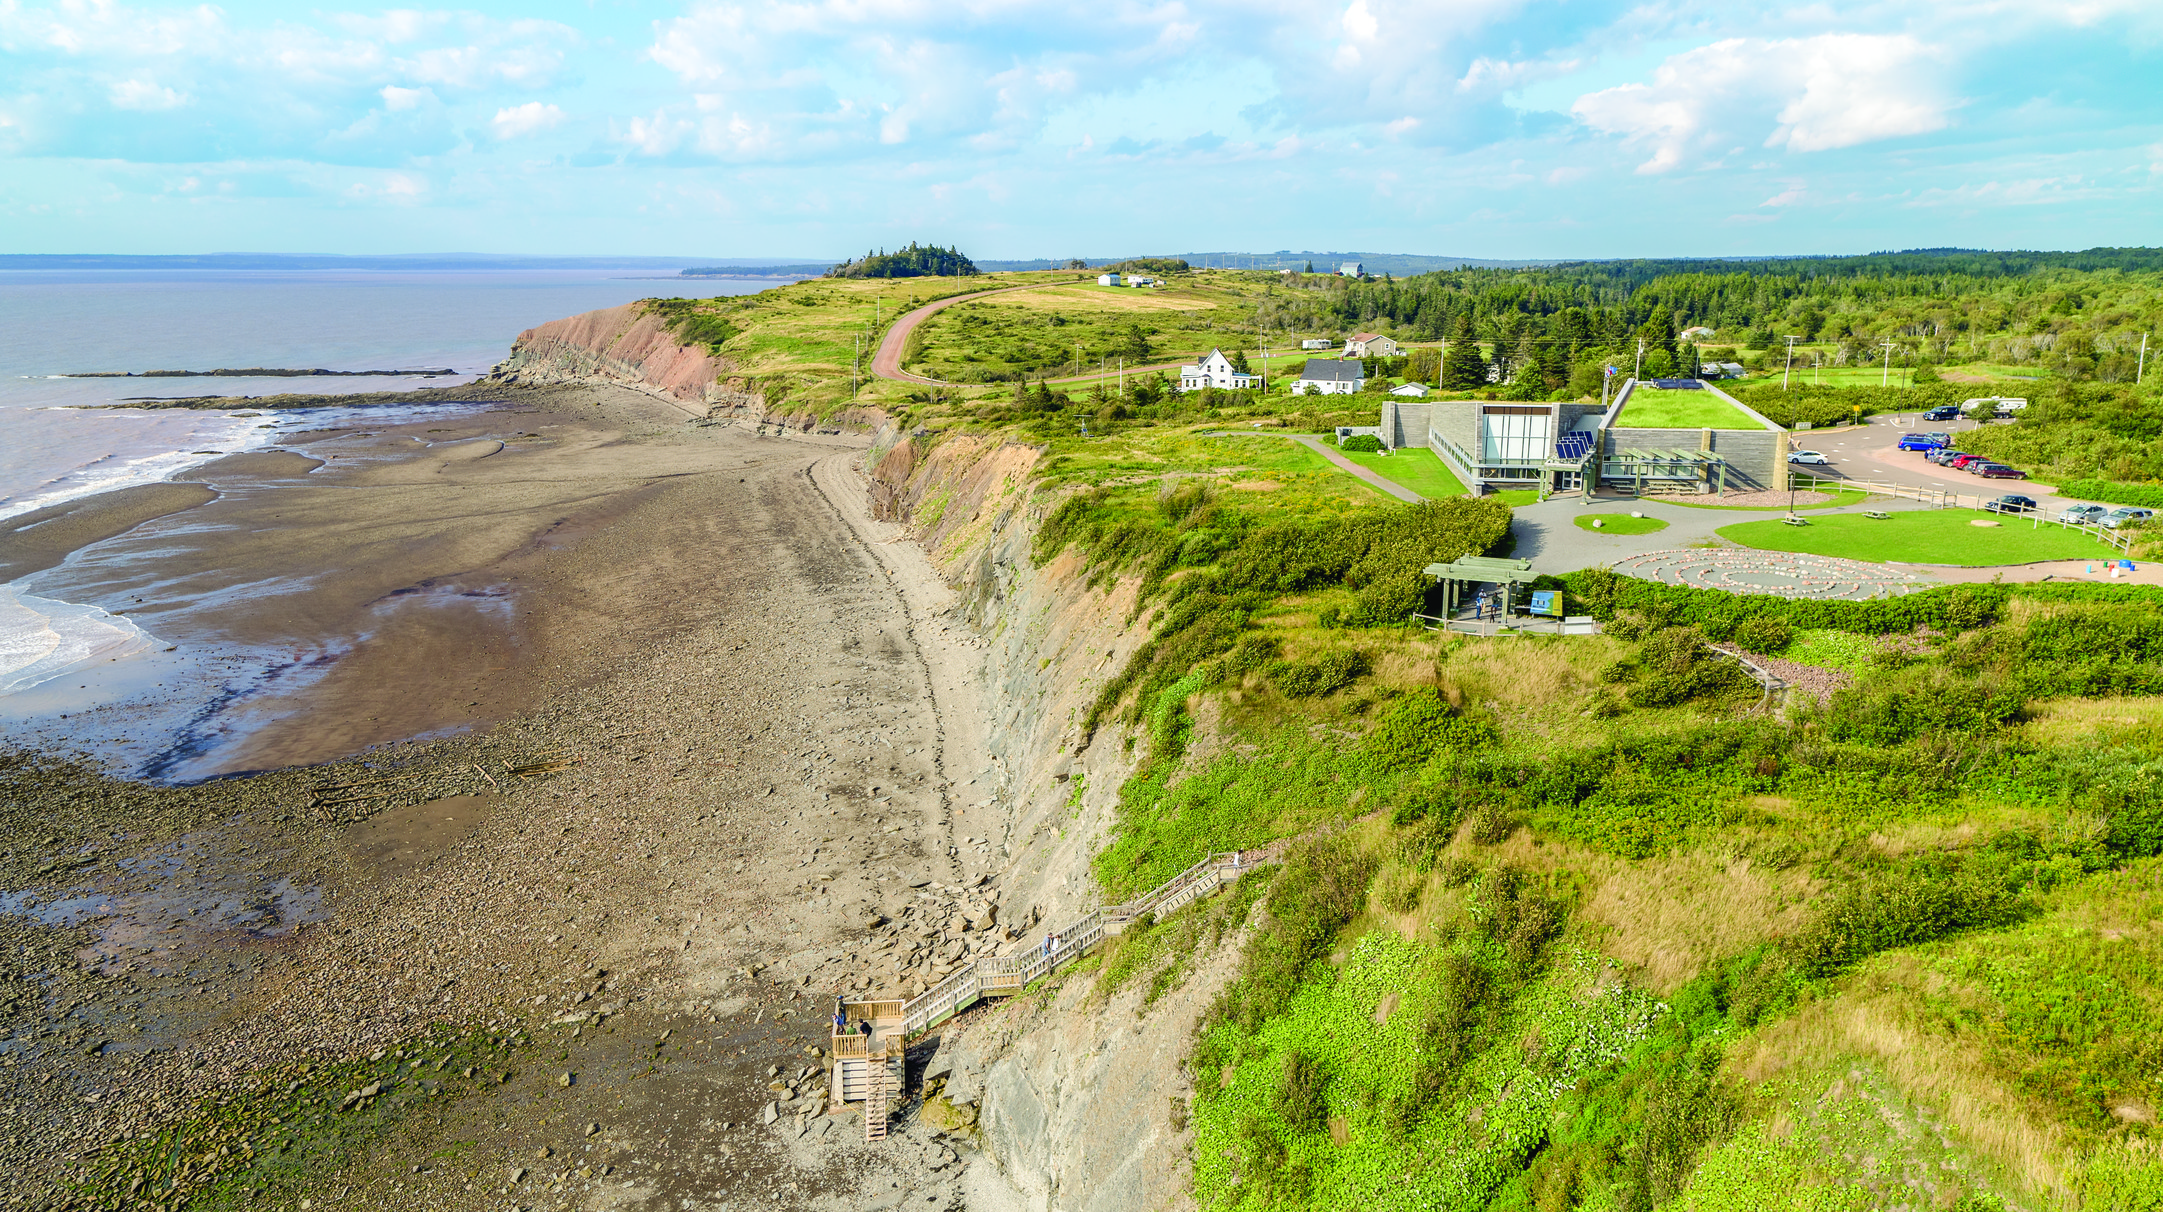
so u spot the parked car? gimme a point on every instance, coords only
(2009, 504)
(2082, 515)
(1960, 462)
(1997, 471)
(1944, 455)
(1921, 441)
(1806, 456)
(1943, 412)
(2124, 515)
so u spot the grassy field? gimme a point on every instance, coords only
(1068, 328)
(1415, 468)
(1654, 408)
(1846, 496)
(1618, 523)
(1938, 536)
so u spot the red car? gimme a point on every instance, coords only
(1999, 471)
(1963, 461)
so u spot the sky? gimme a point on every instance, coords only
(822, 128)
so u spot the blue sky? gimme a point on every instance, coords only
(815, 128)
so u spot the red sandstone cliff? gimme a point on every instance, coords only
(623, 345)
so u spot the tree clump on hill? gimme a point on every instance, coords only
(915, 261)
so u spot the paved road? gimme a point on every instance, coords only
(1548, 537)
(886, 363)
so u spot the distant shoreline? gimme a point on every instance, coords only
(259, 372)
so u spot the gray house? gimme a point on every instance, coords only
(1330, 377)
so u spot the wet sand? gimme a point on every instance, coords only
(34, 541)
(667, 746)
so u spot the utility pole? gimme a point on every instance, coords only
(1639, 372)
(856, 368)
(2141, 368)
(1785, 370)
(1885, 378)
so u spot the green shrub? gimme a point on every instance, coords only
(1251, 653)
(1415, 727)
(1765, 635)
(1319, 675)
(1361, 443)
(2147, 496)
(1891, 709)
(1902, 909)
(1297, 1101)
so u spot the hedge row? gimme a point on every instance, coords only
(2147, 496)
(1604, 593)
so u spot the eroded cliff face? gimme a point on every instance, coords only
(630, 346)
(1078, 1099)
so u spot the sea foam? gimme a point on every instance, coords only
(41, 639)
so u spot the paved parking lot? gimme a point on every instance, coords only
(1871, 452)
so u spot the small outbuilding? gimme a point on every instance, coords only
(1315, 343)
(1410, 391)
(1329, 377)
(1107, 279)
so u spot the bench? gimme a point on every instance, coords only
(1879, 514)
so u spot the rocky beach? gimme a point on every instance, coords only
(641, 741)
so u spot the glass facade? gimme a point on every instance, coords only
(1514, 435)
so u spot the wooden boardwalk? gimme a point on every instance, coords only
(868, 1051)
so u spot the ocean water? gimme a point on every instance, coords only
(56, 323)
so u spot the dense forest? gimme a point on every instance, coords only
(915, 261)
(2076, 315)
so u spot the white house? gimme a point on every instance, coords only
(1350, 269)
(1142, 282)
(1315, 343)
(1411, 391)
(1329, 377)
(1700, 333)
(1107, 279)
(1369, 345)
(1215, 371)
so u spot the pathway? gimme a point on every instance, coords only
(1371, 478)
(886, 363)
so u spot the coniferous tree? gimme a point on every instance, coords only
(1464, 367)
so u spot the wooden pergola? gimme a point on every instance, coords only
(1480, 570)
(1696, 466)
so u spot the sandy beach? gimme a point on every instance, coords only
(613, 714)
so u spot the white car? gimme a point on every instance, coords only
(1807, 456)
(2125, 515)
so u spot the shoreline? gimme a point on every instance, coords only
(725, 661)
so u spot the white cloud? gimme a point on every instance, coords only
(145, 96)
(530, 118)
(396, 99)
(1826, 91)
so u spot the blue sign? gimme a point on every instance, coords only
(1547, 602)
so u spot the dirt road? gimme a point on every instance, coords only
(886, 363)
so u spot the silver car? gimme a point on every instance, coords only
(2083, 515)
(2125, 515)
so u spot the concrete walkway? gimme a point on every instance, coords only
(1321, 446)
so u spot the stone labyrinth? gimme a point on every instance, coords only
(1778, 573)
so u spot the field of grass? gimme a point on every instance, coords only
(1064, 329)
(1845, 496)
(1655, 408)
(1618, 523)
(1416, 468)
(1937, 536)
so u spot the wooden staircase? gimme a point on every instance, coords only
(869, 1066)
(875, 1097)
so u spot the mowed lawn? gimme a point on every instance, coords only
(1416, 468)
(1936, 536)
(1659, 408)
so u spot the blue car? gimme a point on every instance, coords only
(1920, 441)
